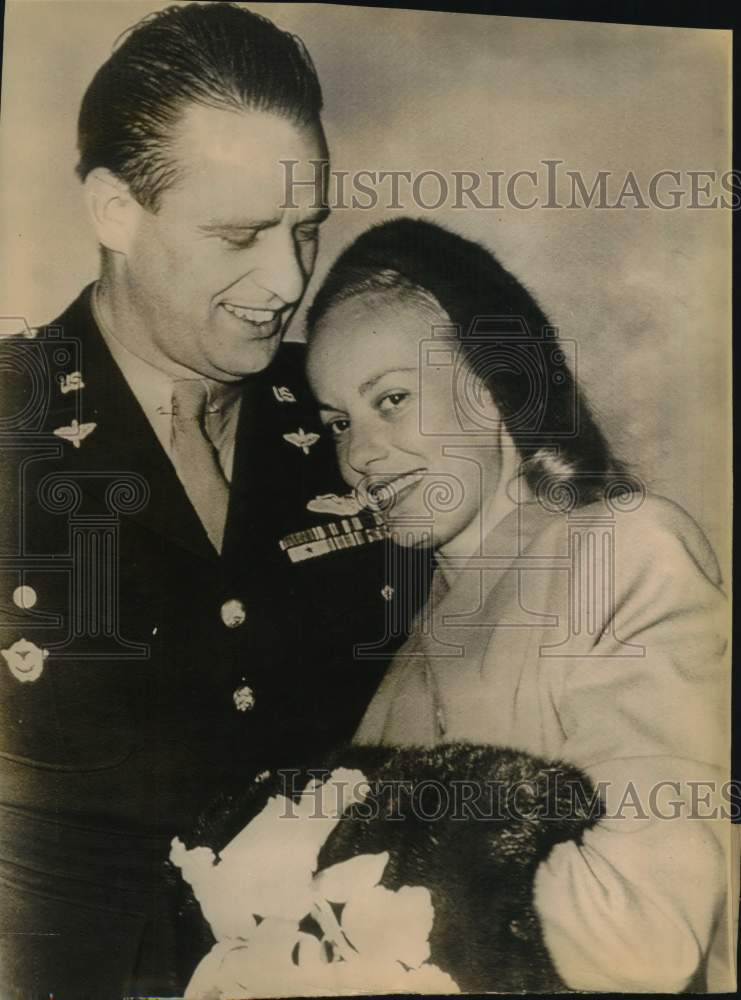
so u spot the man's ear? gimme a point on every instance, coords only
(113, 209)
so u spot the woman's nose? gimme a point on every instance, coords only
(367, 449)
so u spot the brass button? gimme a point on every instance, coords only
(233, 613)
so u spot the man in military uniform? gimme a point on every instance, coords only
(184, 586)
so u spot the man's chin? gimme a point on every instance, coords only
(250, 359)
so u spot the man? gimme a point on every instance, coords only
(182, 586)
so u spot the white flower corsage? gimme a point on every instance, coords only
(265, 884)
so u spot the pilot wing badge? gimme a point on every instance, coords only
(75, 432)
(302, 439)
(330, 503)
(354, 526)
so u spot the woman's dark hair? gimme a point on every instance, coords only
(214, 54)
(506, 342)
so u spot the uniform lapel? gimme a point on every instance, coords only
(273, 476)
(123, 440)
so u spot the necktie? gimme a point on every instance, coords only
(195, 459)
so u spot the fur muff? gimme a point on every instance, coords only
(469, 822)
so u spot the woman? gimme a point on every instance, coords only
(572, 616)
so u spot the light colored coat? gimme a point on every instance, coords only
(595, 637)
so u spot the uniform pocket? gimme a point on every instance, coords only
(64, 715)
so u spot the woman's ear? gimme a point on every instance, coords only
(477, 400)
(113, 209)
(487, 406)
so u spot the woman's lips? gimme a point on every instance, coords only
(385, 493)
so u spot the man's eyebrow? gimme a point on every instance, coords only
(255, 225)
(238, 226)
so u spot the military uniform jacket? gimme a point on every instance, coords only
(141, 672)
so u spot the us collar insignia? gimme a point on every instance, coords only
(302, 439)
(346, 533)
(25, 660)
(71, 383)
(75, 432)
(330, 503)
(283, 394)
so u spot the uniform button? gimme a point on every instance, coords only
(517, 930)
(244, 698)
(233, 613)
(24, 597)
(387, 592)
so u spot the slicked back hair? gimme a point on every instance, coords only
(217, 55)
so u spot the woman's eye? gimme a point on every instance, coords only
(392, 401)
(338, 427)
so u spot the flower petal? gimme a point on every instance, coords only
(209, 979)
(309, 951)
(267, 869)
(390, 925)
(224, 910)
(345, 878)
(429, 978)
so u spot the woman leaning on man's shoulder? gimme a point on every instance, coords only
(572, 615)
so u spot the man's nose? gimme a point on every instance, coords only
(280, 271)
(367, 450)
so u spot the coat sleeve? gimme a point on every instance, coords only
(633, 906)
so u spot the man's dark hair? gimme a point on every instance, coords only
(217, 55)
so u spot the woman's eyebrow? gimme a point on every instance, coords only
(366, 386)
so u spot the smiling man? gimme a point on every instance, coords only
(204, 284)
(185, 591)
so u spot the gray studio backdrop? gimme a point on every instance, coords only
(643, 291)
